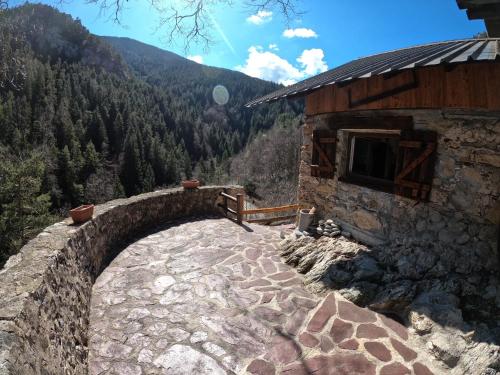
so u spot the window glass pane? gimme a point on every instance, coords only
(374, 157)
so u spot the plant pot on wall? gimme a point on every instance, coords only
(82, 214)
(190, 184)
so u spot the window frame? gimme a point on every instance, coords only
(367, 181)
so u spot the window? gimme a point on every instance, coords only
(373, 158)
(402, 164)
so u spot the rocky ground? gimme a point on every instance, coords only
(455, 314)
(213, 297)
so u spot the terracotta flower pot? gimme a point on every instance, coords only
(82, 214)
(190, 184)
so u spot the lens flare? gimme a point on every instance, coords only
(220, 95)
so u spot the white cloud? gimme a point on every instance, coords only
(196, 58)
(274, 47)
(262, 16)
(301, 32)
(271, 67)
(312, 61)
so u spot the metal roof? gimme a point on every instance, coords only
(455, 51)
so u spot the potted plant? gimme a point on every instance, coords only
(82, 214)
(190, 184)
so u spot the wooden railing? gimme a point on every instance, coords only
(239, 210)
(239, 206)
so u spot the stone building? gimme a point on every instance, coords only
(401, 149)
(404, 146)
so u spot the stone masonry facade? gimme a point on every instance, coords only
(463, 213)
(457, 229)
(45, 290)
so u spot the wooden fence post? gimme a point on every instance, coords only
(240, 206)
(225, 201)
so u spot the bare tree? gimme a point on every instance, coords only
(192, 20)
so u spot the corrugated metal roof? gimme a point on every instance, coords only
(456, 51)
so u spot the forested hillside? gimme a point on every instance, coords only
(80, 123)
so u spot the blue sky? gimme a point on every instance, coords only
(327, 34)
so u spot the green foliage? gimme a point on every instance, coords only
(250, 187)
(24, 208)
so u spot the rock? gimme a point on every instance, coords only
(463, 239)
(420, 321)
(435, 217)
(341, 330)
(407, 267)
(395, 296)
(260, 367)
(366, 220)
(440, 307)
(184, 360)
(421, 225)
(378, 350)
(446, 350)
(360, 292)
(367, 268)
(352, 294)
(338, 277)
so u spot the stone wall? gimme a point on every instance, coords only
(463, 208)
(45, 290)
(454, 235)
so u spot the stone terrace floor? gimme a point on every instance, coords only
(211, 297)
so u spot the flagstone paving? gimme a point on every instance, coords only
(211, 297)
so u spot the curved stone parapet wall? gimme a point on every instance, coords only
(45, 290)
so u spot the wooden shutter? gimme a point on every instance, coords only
(415, 164)
(323, 155)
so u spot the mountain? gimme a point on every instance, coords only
(140, 54)
(88, 119)
(189, 84)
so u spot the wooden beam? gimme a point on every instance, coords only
(414, 185)
(493, 28)
(424, 155)
(227, 209)
(228, 196)
(240, 206)
(463, 4)
(271, 209)
(410, 144)
(271, 219)
(322, 154)
(379, 122)
(489, 11)
(327, 140)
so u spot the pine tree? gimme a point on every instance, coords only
(73, 192)
(131, 169)
(92, 162)
(24, 208)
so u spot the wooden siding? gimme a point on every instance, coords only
(470, 85)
